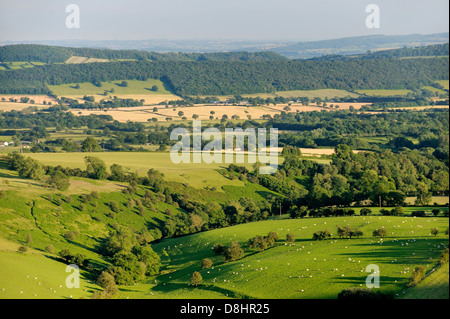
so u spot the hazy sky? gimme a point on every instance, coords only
(22, 20)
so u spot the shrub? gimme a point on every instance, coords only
(418, 213)
(434, 231)
(397, 211)
(365, 211)
(290, 238)
(59, 181)
(233, 252)
(258, 242)
(418, 274)
(435, 212)
(218, 249)
(94, 194)
(358, 233)
(443, 258)
(114, 206)
(206, 263)
(22, 249)
(50, 249)
(380, 232)
(321, 235)
(107, 281)
(272, 236)
(196, 278)
(348, 232)
(298, 212)
(71, 235)
(70, 258)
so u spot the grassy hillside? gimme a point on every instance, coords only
(305, 268)
(37, 217)
(197, 175)
(435, 286)
(35, 275)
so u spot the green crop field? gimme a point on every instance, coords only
(444, 83)
(86, 88)
(18, 65)
(383, 92)
(324, 93)
(433, 89)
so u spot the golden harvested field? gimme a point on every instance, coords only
(421, 108)
(38, 99)
(125, 114)
(7, 106)
(82, 59)
(149, 99)
(144, 113)
(321, 151)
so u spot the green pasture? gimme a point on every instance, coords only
(198, 175)
(304, 269)
(444, 83)
(383, 92)
(35, 275)
(18, 65)
(87, 88)
(435, 286)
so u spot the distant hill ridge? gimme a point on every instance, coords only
(175, 49)
(57, 54)
(358, 45)
(405, 52)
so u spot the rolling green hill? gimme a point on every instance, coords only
(37, 217)
(306, 268)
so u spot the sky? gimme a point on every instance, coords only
(259, 20)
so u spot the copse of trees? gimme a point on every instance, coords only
(70, 258)
(348, 232)
(233, 252)
(131, 256)
(95, 167)
(26, 166)
(321, 235)
(417, 275)
(380, 232)
(396, 211)
(263, 242)
(108, 283)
